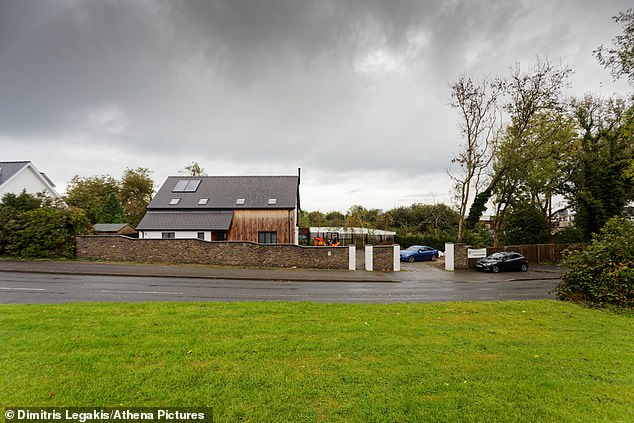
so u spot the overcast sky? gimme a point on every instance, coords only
(355, 93)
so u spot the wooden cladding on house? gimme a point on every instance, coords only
(248, 223)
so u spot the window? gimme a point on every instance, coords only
(272, 201)
(267, 237)
(187, 185)
(203, 201)
(168, 235)
(174, 201)
(201, 235)
(241, 201)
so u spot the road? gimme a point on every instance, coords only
(412, 286)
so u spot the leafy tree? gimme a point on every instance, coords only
(316, 218)
(136, 190)
(526, 224)
(11, 207)
(335, 219)
(360, 217)
(603, 273)
(50, 232)
(424, 219)
(620, 58)
(33, 227)
(90, 193)
(597, 184)
(532, 185)
(111, 211)
(534, 104)
(20, 203)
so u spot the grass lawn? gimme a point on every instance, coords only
(537, 361)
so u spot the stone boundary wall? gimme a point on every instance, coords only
(458, 260)
(534, 253)
(222, 253)
(383, 258)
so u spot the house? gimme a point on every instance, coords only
(114, 229)
(563, 219)
(259, 209)
(16, 177)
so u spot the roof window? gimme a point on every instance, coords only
(187, 185)
(174, 201)
(241, 201)
(203, 201)
(272, 201)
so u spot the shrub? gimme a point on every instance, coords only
(30, 227)
(49, 232)
(603, 273)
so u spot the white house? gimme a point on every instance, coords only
(16, 177)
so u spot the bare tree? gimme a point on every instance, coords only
(477, 104)
(532, 95)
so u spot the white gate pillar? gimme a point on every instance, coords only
(369, 258)
(352, 257)
(449, 256)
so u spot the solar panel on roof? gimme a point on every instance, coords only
(187, 185)
(180, 185)
(192, 185)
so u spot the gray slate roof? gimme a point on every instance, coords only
(8, 169)
(109, 227)
(223, 191)
(186, 220)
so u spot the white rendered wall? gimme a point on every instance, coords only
(29, 181)
(177, 234)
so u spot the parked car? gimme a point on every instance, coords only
(419, 253)
(497, 262)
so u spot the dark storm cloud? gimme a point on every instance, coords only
(344, 87)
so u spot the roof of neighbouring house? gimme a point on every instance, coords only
(8, 169)
(227, 192)
(110, 227)
(11, 170)
(186, 220)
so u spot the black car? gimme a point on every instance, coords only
(497, 262)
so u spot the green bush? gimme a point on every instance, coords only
(570, 235)
(603, 273)
(30, 230)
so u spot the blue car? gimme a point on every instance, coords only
(419, 253)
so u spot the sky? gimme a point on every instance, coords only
(355, 93)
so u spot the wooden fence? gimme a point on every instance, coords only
(539, 253)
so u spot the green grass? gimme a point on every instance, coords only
(542, 361)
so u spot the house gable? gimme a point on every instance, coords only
(16, 177)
